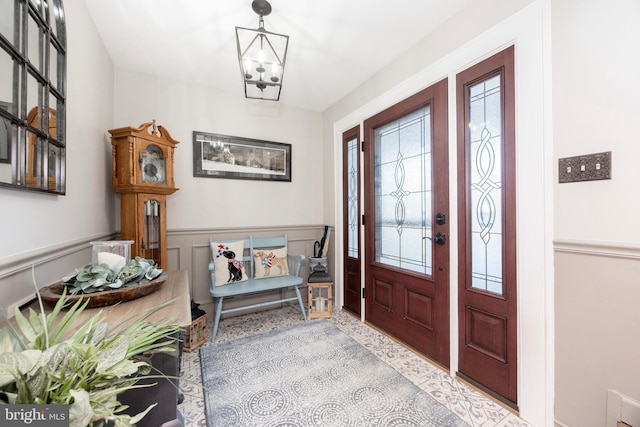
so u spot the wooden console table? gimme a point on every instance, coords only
(175, 288)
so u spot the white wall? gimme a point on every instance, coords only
(211, 202)
(33, 222)
(595, 101)
(595, 104)
(484, 28)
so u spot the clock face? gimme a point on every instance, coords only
(153, 165)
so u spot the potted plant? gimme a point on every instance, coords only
(47, 359)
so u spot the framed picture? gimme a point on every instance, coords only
(224, 156)
(5, 135)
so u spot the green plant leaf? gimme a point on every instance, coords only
(125, 368)
(113, 354)
(61, 329)
(37, 381)
(17, 364)
(99, 333)
(8, 342)
(25, 326)
(53, 357)
(80, 411)
(135, 419)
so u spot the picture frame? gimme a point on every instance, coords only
(5, 134)
(233, 157)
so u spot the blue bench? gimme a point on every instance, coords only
(253, 285)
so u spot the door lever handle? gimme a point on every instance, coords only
(439, 239)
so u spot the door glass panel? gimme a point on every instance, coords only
(486, 185)
(403, 191)
(353, 202)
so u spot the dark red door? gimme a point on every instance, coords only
(406, 222)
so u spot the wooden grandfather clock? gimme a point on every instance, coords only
(142, 173)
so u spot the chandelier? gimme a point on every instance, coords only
(262, 55)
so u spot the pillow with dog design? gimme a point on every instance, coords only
(270, 262)
(227, 262)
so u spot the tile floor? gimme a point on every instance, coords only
(467, 403)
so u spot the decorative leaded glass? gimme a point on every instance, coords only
(403, 192)
(485, 124)
(352, 203)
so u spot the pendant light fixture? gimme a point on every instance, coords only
(262, 55)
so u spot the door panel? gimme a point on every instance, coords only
(406, 182)
(487, 239)
(351, 220)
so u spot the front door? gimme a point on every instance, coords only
(487, 227)
(407, 222)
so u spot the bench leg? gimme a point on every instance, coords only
(216, 319)
(302, 308)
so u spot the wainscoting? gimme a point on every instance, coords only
(188, 249)
(597, 290)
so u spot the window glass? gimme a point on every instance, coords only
(485, 124)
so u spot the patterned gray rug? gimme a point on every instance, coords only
(310, 374)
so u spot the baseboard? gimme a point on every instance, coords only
(621, 408)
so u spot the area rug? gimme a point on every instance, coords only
(311, 374)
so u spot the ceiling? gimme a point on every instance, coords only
(334, 45)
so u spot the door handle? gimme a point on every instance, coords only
(439, 239)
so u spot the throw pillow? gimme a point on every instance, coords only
(270, 262)
(228, 263)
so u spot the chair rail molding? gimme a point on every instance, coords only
(598, 248)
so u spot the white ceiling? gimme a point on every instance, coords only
(334, 45)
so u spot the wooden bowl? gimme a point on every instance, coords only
(51, 294)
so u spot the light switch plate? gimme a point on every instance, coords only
(590, 167)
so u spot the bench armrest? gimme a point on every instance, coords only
(294, 263)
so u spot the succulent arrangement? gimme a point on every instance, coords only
(102, 277)
(48, 362)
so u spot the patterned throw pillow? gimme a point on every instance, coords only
(227, 262)
(270, 262)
